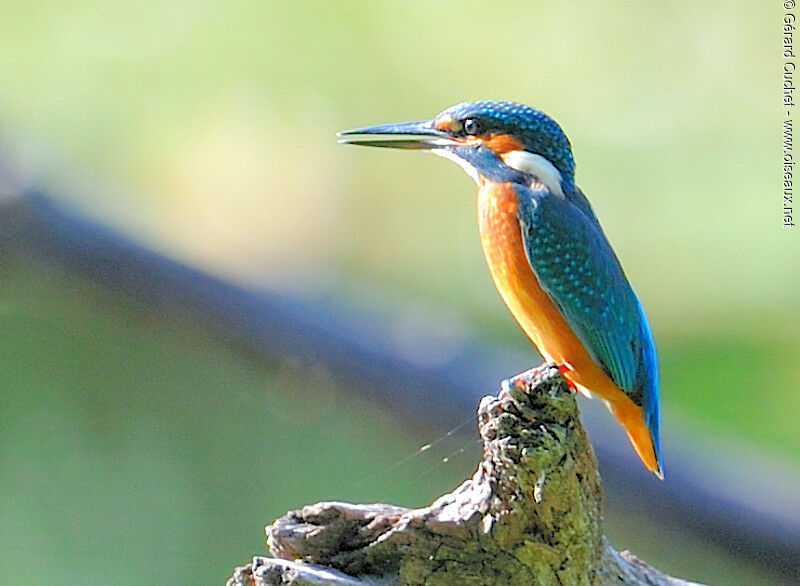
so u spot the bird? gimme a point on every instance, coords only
(547, 254)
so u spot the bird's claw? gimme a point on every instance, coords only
(519, 382)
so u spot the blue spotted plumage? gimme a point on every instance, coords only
(541, 133)
(576, 266)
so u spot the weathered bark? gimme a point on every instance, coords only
(531, 514)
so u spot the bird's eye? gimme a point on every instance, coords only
(471, 126)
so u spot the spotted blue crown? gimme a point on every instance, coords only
(539, 133)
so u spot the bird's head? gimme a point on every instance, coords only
(498, 140)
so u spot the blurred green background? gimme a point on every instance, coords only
(140, 448)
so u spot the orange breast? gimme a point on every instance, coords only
(537, 315)
(539, 318)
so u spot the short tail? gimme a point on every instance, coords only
(650, 410)
(641, 435)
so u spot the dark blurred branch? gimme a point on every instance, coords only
(530, 514)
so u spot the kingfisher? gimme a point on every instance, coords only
(547, 254)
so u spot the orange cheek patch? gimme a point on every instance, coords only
(502, 143)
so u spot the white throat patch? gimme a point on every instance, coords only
(536, 165)
(470, 169)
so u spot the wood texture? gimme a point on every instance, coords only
(530, 514)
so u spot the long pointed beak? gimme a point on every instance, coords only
(404, 135)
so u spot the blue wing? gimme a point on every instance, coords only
(577, 268)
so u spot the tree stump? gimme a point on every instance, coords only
(530, 514)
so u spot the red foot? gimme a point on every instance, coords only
(519, 381)
(564, 370)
